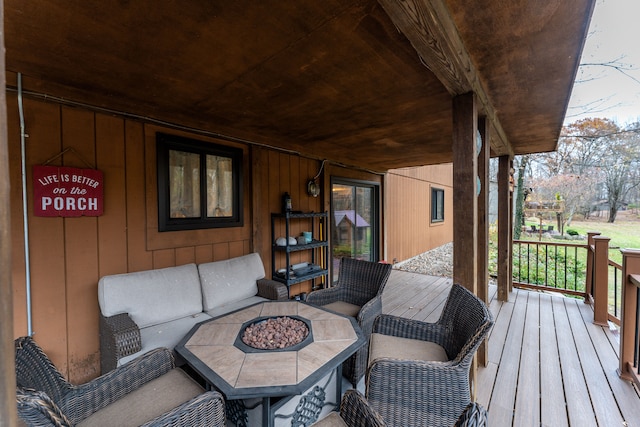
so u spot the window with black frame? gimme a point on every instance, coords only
(199, 184)
(437, 205)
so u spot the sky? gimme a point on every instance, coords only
(599, 91)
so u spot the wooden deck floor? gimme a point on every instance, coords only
(549, 365)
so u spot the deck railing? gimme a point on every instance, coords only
(559, 266)
(630, 317)
(573, 269)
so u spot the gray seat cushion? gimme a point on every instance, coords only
(149, 401)
(166, 334)
(343, 308)
(387, 346)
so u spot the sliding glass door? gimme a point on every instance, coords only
(354, 221)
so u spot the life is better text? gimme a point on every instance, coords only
(67, 192)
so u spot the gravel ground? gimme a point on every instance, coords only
(436, 262)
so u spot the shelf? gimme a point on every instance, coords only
(295, 279)
(318, 249)
(292, 215)
(294, 248)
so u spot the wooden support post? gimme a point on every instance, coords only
(483, 225)
(504, 229)
(601, 280)
(588, 285)
(628, 315)
(8, 414)
(465, 199)
(510, 228)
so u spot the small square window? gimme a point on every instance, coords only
(199, 184)
(437, 205)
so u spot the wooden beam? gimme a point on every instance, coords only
(431, 30)
(8, 415)
(465, 200)
(504, 229)
(483, 225)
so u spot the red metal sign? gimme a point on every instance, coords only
(68, 192)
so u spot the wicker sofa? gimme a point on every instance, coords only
(149, 309)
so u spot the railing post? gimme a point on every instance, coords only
(601, 280)
(588, 285)
(628, 315)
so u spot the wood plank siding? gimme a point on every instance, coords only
(549, 364)
(69, 255)
(409, 230)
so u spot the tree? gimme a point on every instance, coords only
(620, 168)
(519, 208)
(595, 160)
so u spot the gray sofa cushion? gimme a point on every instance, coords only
(166, 334)
(153, 296)
(231, 280)
(235, 305)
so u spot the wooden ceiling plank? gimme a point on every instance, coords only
(432, 32)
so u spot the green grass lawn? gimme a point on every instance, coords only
(624, 233)
(539, 267)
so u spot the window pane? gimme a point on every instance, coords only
(219, 186)
(353, 222)
(184, 189)
(437, 205)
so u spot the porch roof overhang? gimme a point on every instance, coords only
(365, 83)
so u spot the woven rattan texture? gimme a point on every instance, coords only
(360, 283)
(45, 398)
(119, 337)
(420, 392)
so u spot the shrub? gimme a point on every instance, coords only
(572, 232)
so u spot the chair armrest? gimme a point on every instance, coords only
(325, 296)
(119, 337)
(368, 314)
(36, 408)
(356, 411)
(206, 409)
(272, 289)
(85, 399)
(473, 416)
(413, 329)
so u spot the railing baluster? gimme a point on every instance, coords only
(546, 265)
(555, 266)
(575, 268)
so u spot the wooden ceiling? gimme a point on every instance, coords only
(364, 83)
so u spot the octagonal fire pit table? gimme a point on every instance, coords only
(215, 350)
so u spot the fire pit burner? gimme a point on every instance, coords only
(275, 333)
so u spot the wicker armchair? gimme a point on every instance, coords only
(418, 372)
(146, 391)
(355, 411)
(358, 293)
